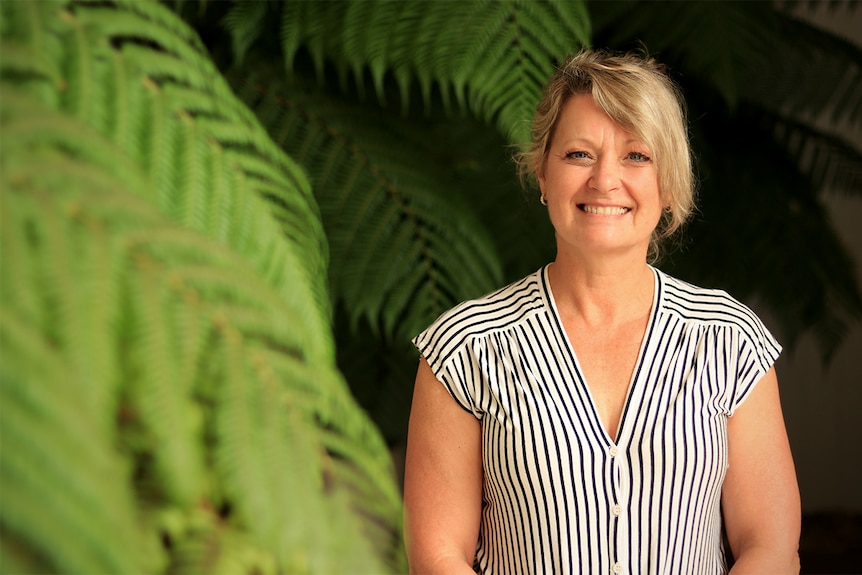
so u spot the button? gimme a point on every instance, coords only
(613, 450)
(618, 568)
(617, 509)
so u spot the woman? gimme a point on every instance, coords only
(600, 416)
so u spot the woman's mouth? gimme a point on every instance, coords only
(604, 210)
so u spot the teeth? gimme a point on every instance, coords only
(605, 211)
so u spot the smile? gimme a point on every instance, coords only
(604, 210)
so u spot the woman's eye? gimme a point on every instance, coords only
(638, 157)
(577, 155)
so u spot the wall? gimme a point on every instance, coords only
(823, 407)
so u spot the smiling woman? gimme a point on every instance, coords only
(600, 415)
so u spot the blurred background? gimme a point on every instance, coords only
(822, 402)
(222, 222)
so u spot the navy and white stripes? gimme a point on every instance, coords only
(560, 495)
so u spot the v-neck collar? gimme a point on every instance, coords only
(578, 375)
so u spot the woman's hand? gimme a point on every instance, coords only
(442, 481)
(760, 496)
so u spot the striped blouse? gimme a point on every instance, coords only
(559, 494)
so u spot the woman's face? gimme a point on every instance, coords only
(600, 184)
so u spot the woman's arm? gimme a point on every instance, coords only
(442, 481)
(760, 496)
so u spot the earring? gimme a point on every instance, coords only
(668, 209)
(543, 200)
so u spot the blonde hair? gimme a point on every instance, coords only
(637, 94)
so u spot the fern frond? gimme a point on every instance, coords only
(210, 545)
(249, 147)
(163, 144)
(244, 328)
(224, 276)
(162, 400)
(52, 461)
(19, 59)
(347, 432)
(493, 57)
(25, 121)
(70, 310)
(164, 19)
(384, 218)
(18, 269)
(128, 25)
(139, 304)
(244, 21)
(31, 52)
(89, 343)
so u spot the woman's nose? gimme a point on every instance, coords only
(606, 175)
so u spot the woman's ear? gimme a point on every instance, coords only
(543, 199)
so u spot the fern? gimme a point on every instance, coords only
(57, 472)
(390, 226)
(227, 123)
(403, 248)
(159, 252)
(492, 57)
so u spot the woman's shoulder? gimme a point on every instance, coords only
(707, 305)
(500, 309)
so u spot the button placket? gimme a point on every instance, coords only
(619, 495)
(615, 509)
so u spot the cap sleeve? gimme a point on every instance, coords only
(455, 360)
(758, 350)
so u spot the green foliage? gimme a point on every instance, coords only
(406, 242)
(492, 57)
(169, 400)
(392, 225)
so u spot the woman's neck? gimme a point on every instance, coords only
(602, 291)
